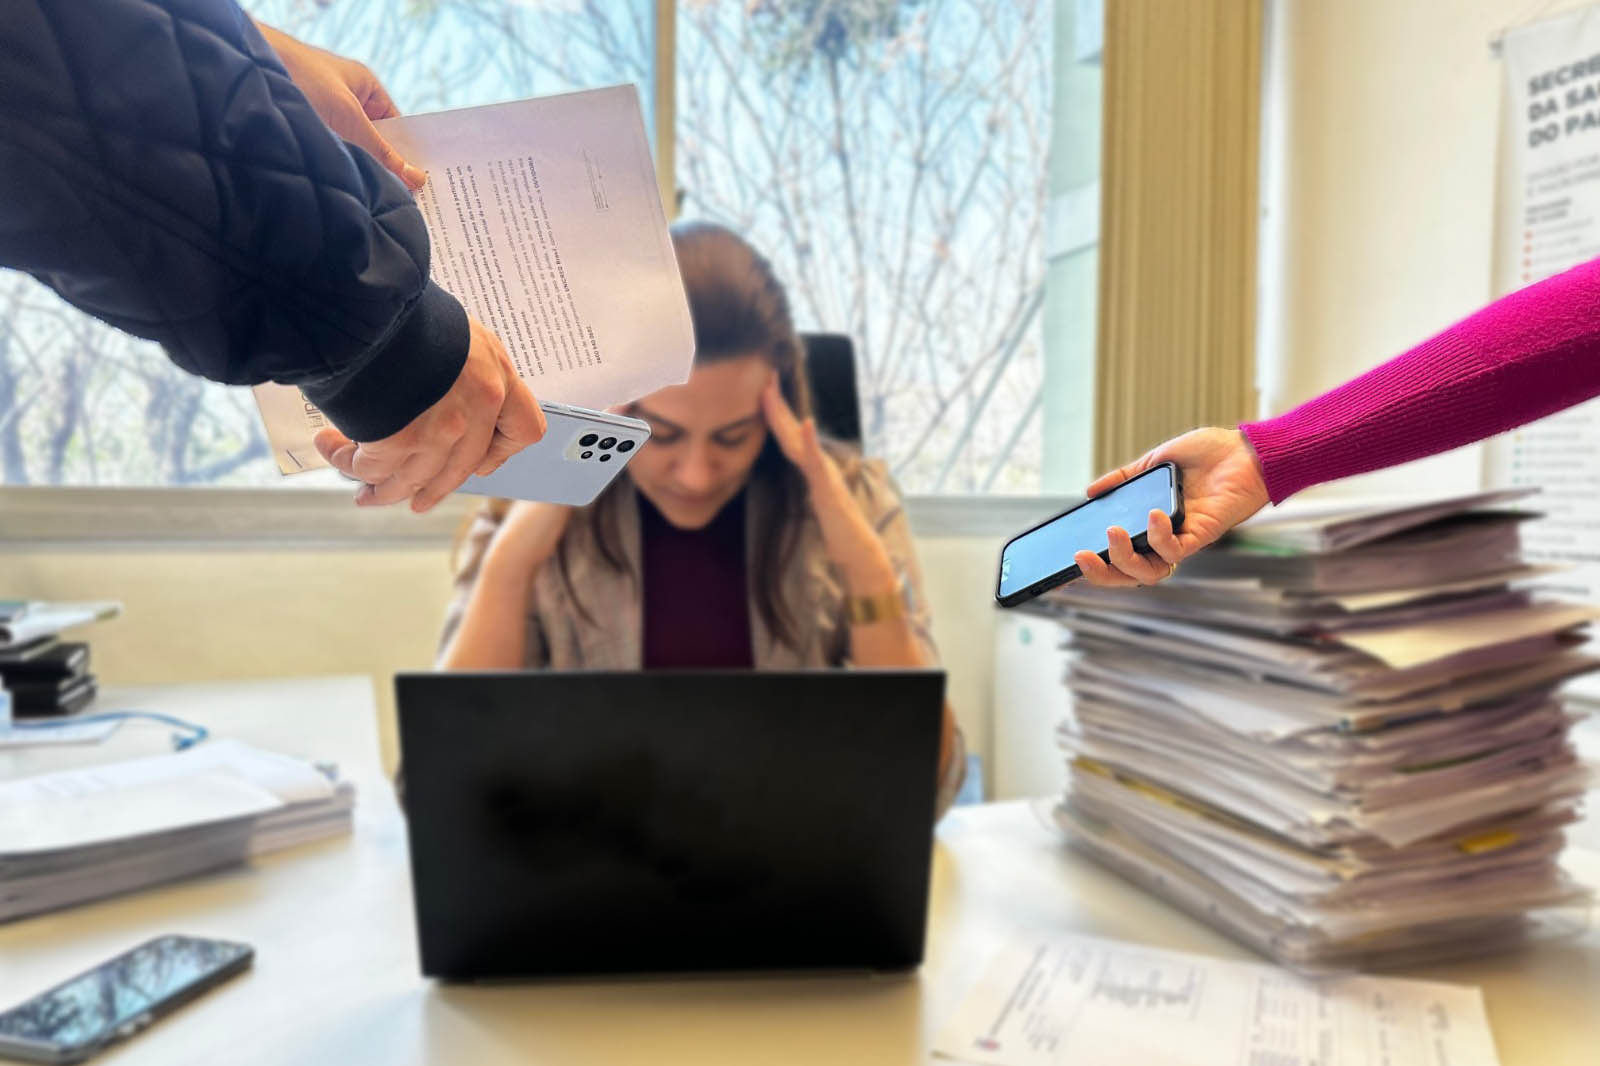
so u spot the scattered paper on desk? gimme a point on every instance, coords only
(546, 223)
(1055, 1001)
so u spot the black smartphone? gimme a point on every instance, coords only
(1040, 559)
(116, 999)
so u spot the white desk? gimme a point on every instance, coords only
(336, 978)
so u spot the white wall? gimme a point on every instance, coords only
(958, 573)
(209, 612)
(1379, 195)
(196, 612)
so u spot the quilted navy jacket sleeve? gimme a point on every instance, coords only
(159, 170)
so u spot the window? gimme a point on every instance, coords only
(921, 172)
(82, 404)
(890, 157)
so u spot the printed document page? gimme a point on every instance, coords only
(546, 223)
(1054, 1001)
(217, 781)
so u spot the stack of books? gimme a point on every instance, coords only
(1338, 736)
(45, 674)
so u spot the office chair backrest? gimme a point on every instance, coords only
(831, 372)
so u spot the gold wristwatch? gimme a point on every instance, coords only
(884, 607)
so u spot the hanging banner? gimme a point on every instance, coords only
(1549, 220)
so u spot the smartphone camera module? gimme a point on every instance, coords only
(625, 446)
(588, 455)
(607, 443)
(588, 439)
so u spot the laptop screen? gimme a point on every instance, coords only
(569, 823)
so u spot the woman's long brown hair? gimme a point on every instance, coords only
(738, 308)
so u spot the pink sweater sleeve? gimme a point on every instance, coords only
(1529, 354)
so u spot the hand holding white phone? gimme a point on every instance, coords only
(580, 454)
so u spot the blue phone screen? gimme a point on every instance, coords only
(1041, 552)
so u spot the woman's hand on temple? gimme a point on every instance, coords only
(1222, 486)
(852, 544)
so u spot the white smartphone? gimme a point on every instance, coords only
(580, 454)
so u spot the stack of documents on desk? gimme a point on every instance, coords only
(1340, 739)
(79, 835)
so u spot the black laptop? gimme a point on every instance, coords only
(613, 823)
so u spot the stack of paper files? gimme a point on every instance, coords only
(79, 835)
(1339, 738)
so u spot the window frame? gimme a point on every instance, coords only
(68, 516)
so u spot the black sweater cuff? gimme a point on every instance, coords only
(405, 377)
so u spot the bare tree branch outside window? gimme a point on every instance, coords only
(890, 157)
(81, 403)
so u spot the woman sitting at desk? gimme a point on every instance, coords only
(735, 539)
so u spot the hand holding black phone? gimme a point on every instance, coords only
(1041, 558)
(116, 999)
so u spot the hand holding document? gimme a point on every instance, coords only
(1054, 1001)
(546, 223)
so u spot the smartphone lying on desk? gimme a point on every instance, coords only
(116, 999)
(1041, 558)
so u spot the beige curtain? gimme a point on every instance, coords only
(1178, 220)
(665, 85)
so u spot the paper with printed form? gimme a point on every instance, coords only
(546, 223)
(1054, 1001)
(214, 782)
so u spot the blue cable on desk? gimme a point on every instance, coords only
(192, 735)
